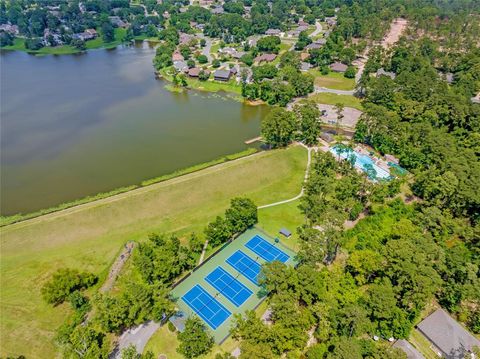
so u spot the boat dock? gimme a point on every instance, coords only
(253, 140)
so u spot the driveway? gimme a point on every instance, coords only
(207, 48)
(138, 336)
(318, 29)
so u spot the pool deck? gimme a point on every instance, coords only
(219, 260)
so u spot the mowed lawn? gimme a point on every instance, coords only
(88, 237)
(333, 80)
(333, 99)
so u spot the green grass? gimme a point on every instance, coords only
(287, 215)
(214, 49)
(19, 45)
(333, 80)
(422, 344)
(333, 99)
(209, 85)
(88, 237)
(99, 43)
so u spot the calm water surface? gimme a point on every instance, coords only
(77, 125)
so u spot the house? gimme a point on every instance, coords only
(304, 56)
(194, 72)
(382, 72)
(448, 337)
(327, 137)
(313, 46)
(11, 29)
(222, 75)
(331, 21)
(303, 23)
(408, 349)
(338, 67)
(92, 33)
(449, 77)
(180, 66)
(273, 32)
(116, 21)
(177, 56)
(217, 10)
(305, 66)
(265, 58)
(184, 39)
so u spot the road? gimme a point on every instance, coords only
(318, 29)
(207, 48)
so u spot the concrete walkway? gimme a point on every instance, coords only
(205, 246)
(307, 171)
(319, 89)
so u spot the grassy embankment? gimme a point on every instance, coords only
(89, 237)
(19, 45)
(21, 217)
(209, 85)
(333, 80)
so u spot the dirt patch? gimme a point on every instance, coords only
(396, 30)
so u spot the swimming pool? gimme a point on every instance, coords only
(361, 161)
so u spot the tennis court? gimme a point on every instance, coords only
(227, 285)
(245, 265)
(266, 250)
(207, 307)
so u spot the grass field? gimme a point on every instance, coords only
(333, 80)
(88, 237)
(333, 99)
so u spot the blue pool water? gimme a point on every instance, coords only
(361, 161)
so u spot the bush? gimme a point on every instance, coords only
(350, 73)
(202, 59)
(216, 63)
(171, 327)
(64, 282)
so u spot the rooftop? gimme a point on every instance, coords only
(448, 335)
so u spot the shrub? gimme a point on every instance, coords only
(64, 282)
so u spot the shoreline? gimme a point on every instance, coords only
(6, 221)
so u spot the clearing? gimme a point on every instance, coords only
(89, 237)
(333, 80)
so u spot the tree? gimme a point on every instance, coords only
(242, 214)
(278, 128)
(339, 107)
(130, 352)
(195, 340)
(269, 44)
(108, 34)
(308, 115)
(218, 231)
(202, 59)
(87, 343)
(350, 72)
(64, 282)
(345, 348)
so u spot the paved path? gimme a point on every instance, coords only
(307, 170)
(319, 89)
(318, 29)
(205, 246)
(138, 336)
(207, 48)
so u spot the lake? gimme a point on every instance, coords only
(77, 125)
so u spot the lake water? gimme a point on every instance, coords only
(73, 126)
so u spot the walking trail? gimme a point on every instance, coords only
(307, 170)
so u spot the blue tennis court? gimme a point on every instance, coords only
(230, 287)
(266, 250)
(206, 306)
(245, 265)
